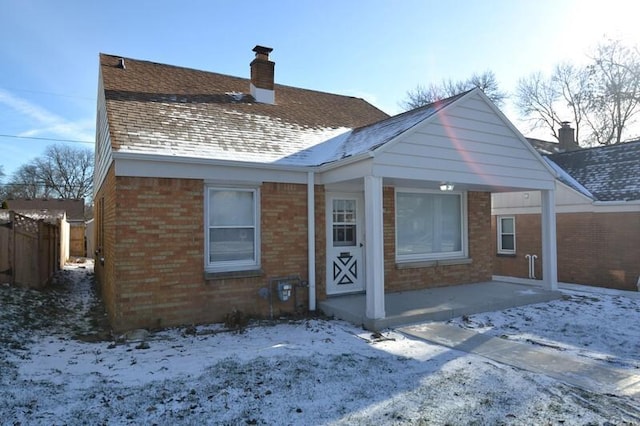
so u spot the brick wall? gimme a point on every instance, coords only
(528, 241)
(158, 257)
(480, 269)
(321, 242)
(598, 249)
(104, 235)
(153, 245)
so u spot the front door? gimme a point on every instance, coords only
(345, 238)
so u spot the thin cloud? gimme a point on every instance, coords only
(46, 121)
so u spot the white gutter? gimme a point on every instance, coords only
(311, 239)
(146, 156)
(142, 156)
(617, 203)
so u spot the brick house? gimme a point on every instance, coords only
(211, 190)
(598, 217)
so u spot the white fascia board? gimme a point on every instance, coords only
(609, 207)
(140, 164)
(354, 170)
(344, 162)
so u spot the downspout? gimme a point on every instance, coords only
(311, 239)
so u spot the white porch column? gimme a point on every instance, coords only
(549, 247)
(311, 239)
(374, 247)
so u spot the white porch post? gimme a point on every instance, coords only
(311, 239)
(374, 247)
(549, 247)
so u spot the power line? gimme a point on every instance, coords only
(45, 139)
(43, 185)
(14, 89)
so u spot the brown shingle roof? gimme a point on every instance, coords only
(165, 109)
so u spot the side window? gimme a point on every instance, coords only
(506, 235)
(232, 234)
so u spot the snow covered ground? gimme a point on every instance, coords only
(55, 368)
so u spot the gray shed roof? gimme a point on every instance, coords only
(609, 173)
(73, 208)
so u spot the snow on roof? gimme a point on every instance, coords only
(49, 216)
(609, 173)
(167, 110)
(235, 137)
(372, 136)
(567, 179)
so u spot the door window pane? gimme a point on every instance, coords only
(344, 222)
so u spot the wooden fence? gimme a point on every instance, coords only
(29, 251)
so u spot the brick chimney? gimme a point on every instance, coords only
(566, 137)
(262, 76)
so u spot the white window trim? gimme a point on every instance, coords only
(499, 236)
(240, 265)
(462, 254)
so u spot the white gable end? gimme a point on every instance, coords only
(468, 142)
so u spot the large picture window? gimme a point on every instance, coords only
(430, 226)
(506, 235)
(232, 238)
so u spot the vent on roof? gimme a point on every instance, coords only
(121, 63)
(262, 76)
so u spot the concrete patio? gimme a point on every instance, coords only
(437, 304)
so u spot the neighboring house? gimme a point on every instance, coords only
(74, 210)
(598, 218)
(211, 191)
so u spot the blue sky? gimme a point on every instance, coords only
(372, 49)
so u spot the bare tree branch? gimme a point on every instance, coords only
(63, 172)
(425, 95)
(615, 90)
(536, 99)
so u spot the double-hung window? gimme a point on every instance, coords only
(506, 235)
(233, 235)
(430, 226)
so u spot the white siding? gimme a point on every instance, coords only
(468, 142)
(567, 199)
(103, 154)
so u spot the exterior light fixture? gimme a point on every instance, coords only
(446, 186)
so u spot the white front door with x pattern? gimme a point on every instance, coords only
(345, 267)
